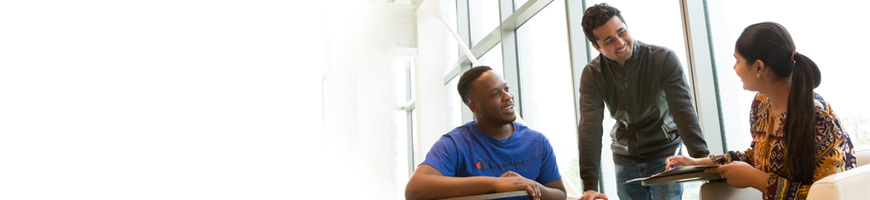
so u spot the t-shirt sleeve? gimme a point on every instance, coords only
(549, 168)
(442, 156)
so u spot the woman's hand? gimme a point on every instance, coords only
(678, 161)
(740, 175)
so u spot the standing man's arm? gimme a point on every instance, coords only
(589, 132)
(680, 105)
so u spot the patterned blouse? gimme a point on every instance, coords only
(833, 154)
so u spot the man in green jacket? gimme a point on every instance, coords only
(645, 90)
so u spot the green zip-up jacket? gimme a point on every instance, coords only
(651, 103)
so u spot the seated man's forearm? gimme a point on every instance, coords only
(426, 186)
(548, 193)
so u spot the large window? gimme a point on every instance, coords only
(827, 39)
(546, 86)
(534, 54)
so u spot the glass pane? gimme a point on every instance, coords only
(656, 22)
(454, 104)
(414, 138)
(493, 59)
(547, 92)
(401, 162)
(519, 3)
(400, 81)
(484, 17)
(729, 18)
(410, 78)
(452, 46)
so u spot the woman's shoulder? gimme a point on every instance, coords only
(827, 122)
(759, 101)
(823, 108)
(831, 135)
(759, 105)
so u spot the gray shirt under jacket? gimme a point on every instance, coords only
(651, 103)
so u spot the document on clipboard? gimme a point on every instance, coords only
(679, 175)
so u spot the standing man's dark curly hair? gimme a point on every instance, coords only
(596, 16)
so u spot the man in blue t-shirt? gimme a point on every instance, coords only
(491, 154)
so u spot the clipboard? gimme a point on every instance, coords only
(680, 175)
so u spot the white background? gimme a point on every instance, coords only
(179, 99)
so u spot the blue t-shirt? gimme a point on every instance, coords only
(466, 151)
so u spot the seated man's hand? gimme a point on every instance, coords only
(511, 181)
(592, 195)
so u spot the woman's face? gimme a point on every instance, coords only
(747, 72)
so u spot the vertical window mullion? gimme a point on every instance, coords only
(509, 54)
(702, 74)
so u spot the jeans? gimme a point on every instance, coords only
(627, 170)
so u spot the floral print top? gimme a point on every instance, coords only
(833, 154)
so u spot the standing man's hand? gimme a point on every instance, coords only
(511, 181)
(679, 161)
(592, 195)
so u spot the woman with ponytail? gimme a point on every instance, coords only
(796, 137)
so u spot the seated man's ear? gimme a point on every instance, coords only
(472, 106)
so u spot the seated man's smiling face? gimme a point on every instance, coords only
(491, 99)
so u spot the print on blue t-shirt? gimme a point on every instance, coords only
(466, 151)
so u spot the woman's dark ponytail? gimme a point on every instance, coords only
(800, 124)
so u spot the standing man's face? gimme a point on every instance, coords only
(491, 99)
(614, 42)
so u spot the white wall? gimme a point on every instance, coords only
(181, 99)
(358, 102)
